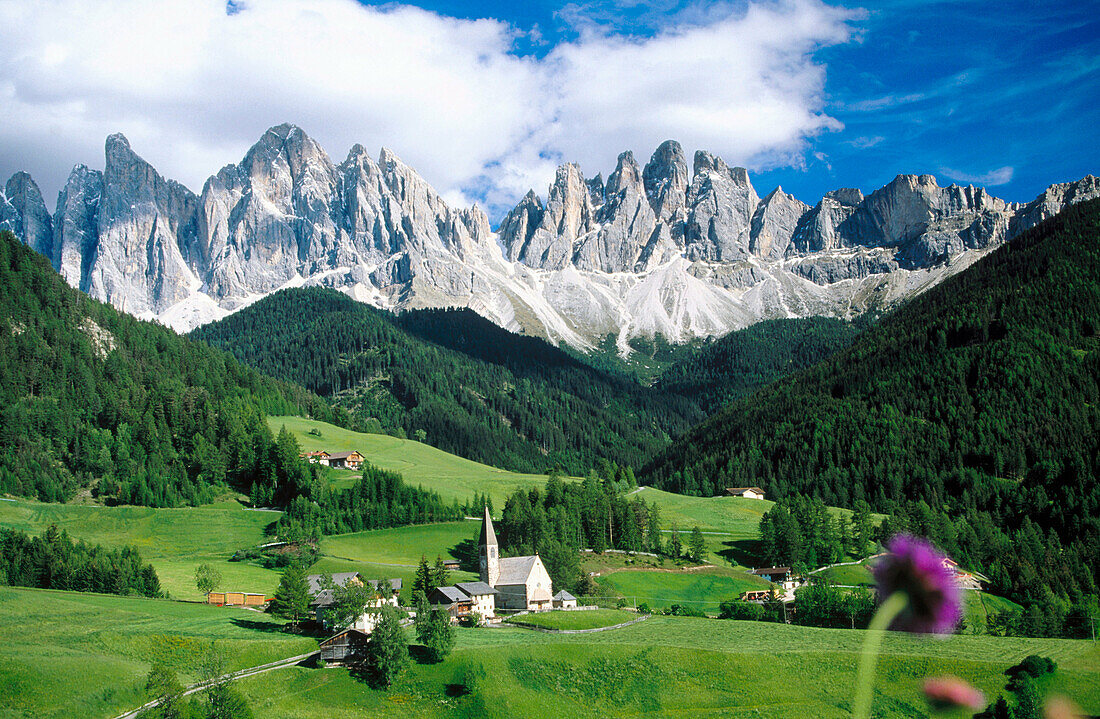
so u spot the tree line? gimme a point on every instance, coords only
(54, 561)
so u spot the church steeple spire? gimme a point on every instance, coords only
(488, 551)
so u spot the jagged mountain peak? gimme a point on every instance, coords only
(653, 249)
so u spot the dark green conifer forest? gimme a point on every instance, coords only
(455, 379)
(970, 414)
(92, 399)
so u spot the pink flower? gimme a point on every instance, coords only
(914, 568)
(952, 693)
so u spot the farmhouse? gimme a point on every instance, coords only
(322, 598)
(346, 646)
(482, 597)
(521, 582)
(318, 457)
(457, 603)
(746, 492)
(346, 460)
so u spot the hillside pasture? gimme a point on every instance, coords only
(174, 541)
(86, 655)
(672, 667)
(573, 620)
(660, 589)
(420, 464)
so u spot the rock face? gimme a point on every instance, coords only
(649, 251)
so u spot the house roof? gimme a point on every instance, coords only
(487, 536)
(772, 570)
(343, 455)
(449, 594)
(395, 584)
(354, 632)
(515, 570)
(742, 490)
(564, 596)
(339, 579)
(476, 589)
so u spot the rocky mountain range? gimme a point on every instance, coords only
(660, 249)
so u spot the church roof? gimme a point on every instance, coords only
(488, 536)
(515, 570)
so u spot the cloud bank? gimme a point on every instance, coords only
(193, 86)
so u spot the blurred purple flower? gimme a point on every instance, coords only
(913, 567)
(945, 693)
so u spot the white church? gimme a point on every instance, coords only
(521, 582)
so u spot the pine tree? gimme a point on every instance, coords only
(292, 597)
(423, 617)
(675, 547)
(440, 576)
(387, 652)
(422, 581)
(440, 636)
(697, 546)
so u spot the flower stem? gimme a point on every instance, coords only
(865, 679)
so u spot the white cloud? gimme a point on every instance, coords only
(1000, 176)
(193, 87)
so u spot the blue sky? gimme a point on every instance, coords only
(486, 98)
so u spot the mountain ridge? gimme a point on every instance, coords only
(660, 249)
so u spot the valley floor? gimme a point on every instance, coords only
(665, 666)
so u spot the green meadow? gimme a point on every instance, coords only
(583, 619)
(664, 666)
(175, 541)
(86, 655)
(696, 590)
(420, 464)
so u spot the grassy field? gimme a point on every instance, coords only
(585, 619)
(86, 655)
(672, 667)
(452, 477)
(175, 541)
(697, 590)
(664, 666)
(855, 575)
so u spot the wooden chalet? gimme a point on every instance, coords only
(776, 575)
(746, 492)
(346, 460)
(347, 646)
(318, 457)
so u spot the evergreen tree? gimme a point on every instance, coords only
(675, 547)
(292, 597)
(697, 546)
(387, 652)
(440, 635)
(440, 576)
(423, 616)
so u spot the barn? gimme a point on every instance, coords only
(347, 646)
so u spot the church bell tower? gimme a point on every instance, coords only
(488, 551)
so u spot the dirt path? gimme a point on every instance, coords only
(232, 676)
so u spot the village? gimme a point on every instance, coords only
(507, 587)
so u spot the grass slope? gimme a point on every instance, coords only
(588, 619)
(175, 541)
(86, 655)
(665, 666)
(451, 476)
(696, 590)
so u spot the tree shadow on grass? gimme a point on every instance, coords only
(265, 627)
(746, 552)
(466, 552)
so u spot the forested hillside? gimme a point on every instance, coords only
(455, 380)
(971, 413)
(93, 398)
(744, 361)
